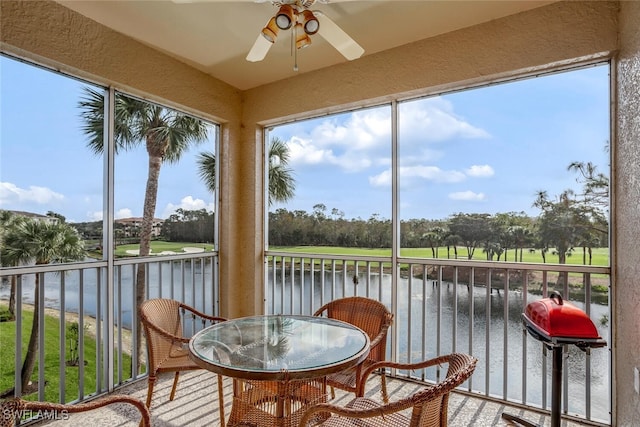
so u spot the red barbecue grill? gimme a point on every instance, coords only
(556, 323)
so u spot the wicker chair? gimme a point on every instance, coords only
(374, 319)
(12, 408)
(166, 345)
(428, 406)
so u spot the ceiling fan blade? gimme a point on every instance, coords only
(330, 31)
(259, 49)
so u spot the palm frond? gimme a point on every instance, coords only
(207, 169)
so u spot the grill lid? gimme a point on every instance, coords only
(556, 319)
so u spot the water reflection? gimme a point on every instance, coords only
(190, 282)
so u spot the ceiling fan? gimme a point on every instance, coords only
(297, 16)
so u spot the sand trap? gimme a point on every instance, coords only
(186, 250)
(191, 250)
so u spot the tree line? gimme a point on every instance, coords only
(562, 228)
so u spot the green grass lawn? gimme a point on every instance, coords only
(600, 258)
(600, 255)
(52, 359)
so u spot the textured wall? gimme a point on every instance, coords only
(627, 217)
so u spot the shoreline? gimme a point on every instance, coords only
(89, 322)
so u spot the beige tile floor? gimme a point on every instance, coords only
(196, 405)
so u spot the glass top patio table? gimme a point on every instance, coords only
(279, 347)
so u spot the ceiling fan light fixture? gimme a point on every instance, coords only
(270, 32)
(285, 17)
(310, 22)
(302, 38)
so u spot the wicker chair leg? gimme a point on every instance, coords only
(175, 385)
(152, 380)
(383, 387)
(221, 400)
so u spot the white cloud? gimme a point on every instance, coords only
(352, 142)
(187, 203)
(123, 213)
(434, 120)
(381, 180)
(362, 130)
(468, 196)
(303, 151)
(94, 216)
(431, 173)
(11, 193)
(480, 171)
(411, 174)
(119, 214)
(360, 140)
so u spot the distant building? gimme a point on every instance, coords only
(131, 226)
(45, 218)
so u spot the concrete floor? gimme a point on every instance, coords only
(196, 404)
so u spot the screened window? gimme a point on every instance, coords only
(339, 194)
(483, 173)
(52, 167)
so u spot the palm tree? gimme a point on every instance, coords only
(434, 237)
(451, 240)
(596, 184)
(521, 236)
(8, 220)
(281, 182)
(166, 134)
(39, 242)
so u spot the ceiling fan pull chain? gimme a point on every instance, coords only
(294, 38)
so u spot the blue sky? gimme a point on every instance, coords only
(483, 150)
(45, 164)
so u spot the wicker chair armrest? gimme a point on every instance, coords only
(380, 411)
(403, 366)
(407, 366)
(382, 335)
(167, 334)
(465, 367)
(22, 405)
(322, 309)
(202, 315)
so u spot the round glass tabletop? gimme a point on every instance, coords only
(279, 347)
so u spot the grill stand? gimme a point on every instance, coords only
(556, 391)
(556, 344)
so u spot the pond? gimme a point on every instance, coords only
(433, 320)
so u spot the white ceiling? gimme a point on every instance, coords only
(215, 36)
